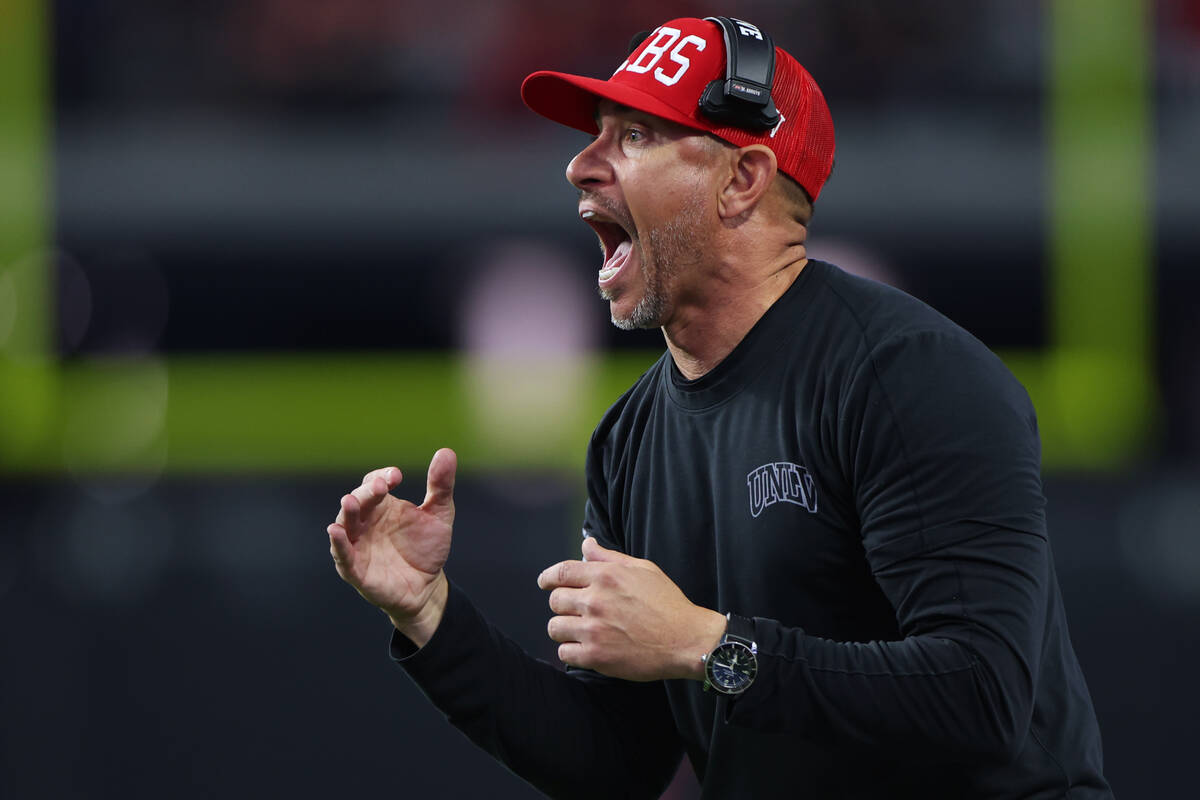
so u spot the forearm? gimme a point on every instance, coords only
(563, 733)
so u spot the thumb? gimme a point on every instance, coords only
(594, 551)
(439, 486)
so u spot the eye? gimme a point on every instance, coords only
(635, 135)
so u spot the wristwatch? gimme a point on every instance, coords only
(731, 666)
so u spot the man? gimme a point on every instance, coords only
(815, 555)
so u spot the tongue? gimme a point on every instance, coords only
(613, 264)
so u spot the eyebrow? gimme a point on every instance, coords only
(617, 108)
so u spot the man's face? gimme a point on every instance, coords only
(647, 187)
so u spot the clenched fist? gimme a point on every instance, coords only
(623, 617)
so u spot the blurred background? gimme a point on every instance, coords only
(249, 250)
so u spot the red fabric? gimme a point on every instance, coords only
(665, 77)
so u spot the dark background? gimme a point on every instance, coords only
(293, 176)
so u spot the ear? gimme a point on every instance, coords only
(754, 168)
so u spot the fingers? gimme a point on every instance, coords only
(348, 513)
(566, 629)
(566, 573)
(358, 505)
(439, 487)
(352, 513)
(391, 476)
(341, 549)
(353, 508)
(568, 601)
(594, 551)
(571, 653)
(371, 492)
(375, 484)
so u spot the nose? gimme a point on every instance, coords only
(590, 167)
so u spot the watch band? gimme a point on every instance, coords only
(739, 629)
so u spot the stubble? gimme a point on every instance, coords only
(672, 247)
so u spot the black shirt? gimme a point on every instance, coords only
(862, 477)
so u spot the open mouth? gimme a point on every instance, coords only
(615, 244)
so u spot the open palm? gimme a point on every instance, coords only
(390, 550)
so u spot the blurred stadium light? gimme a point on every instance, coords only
(28, 377)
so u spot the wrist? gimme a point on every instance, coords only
(709, 631)
(420, 627)
(730, 668)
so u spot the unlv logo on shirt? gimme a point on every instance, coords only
(781, 482)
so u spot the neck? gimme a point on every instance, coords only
(702, 336)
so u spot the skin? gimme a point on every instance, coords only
(714, 245)
(745, 249)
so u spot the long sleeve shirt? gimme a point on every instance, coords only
(862, 478)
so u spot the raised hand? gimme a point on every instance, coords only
(393, 551)
(623, 617)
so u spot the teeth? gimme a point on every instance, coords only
(588, 214)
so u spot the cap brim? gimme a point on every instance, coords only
(571, 100)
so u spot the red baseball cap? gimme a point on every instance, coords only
(666, 76)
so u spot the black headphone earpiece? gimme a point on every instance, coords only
(743, 98)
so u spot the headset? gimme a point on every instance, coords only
(743, 98)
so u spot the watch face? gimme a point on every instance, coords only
(731, 667)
